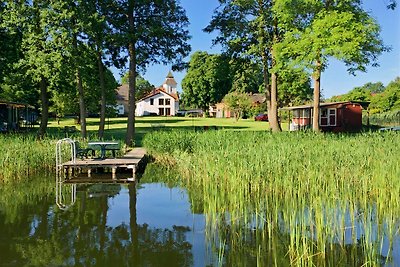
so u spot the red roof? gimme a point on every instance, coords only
(159, 91)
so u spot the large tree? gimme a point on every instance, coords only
(207, 80)
(152, 31)
(249, 29)
(318, 30)
(102, 42)
(38, 24)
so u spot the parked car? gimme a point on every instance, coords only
(261, 117)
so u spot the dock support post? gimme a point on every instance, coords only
(113, 170)
(134, 172)
(89, 172)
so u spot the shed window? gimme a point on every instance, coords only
(301, 113)
(328, 117)
(161, 101)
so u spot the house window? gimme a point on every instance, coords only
(161, 101)
(151, 101)
(167, 102)
(168, 111)
(161, 111)
(328, 117)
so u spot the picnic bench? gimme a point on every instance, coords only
(82, 152)
(103, 146)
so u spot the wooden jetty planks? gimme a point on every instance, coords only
(130, 160)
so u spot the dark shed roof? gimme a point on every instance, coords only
(364, 104)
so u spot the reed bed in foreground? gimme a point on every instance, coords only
(318, 199)
(24, 155)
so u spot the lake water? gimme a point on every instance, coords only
(150, 224)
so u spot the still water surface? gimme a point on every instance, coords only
(150, 224)
(108, 225)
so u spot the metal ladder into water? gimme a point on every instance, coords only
(60, 173)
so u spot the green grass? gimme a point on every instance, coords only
(24, 155)
(116, 127)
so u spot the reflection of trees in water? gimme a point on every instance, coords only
(80, 237)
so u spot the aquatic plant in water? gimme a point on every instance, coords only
(295, 199)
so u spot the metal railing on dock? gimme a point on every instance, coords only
(60, 197)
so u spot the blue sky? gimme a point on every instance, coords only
(334, 81)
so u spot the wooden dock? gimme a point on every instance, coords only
(132, 160)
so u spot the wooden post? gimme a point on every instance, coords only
(89, 172)
(113, 170)
(134, 172)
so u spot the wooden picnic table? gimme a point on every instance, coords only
(103, 146)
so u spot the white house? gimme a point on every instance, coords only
(162, 101)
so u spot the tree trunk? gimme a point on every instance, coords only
(273, 112)
(78, 76)
(130, 132)
(82, 106)
(317, 94)
(45, 108)
(103, 96)
(266, 80)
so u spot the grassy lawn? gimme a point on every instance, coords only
(116, 127)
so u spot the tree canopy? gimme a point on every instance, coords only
(207, 80)
(143, 86)
(383, 99)
(315, 31)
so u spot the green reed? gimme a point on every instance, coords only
(304, 196)
(23, 155)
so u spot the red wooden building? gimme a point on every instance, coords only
(334, 117)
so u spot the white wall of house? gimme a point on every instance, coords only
(161, 104)
(120, 109)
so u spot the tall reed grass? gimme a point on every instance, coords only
(24, 155)
(298, 199)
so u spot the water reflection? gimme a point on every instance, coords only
(161, 224)
(109, 225)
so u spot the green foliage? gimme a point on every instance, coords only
(294, 86)
(24, 156)
(388, 100)
(320, 30)
(238, 103)
(159, 31)
(207, 80)
(383, 99)
(246, 76)
(143, 86)
(390, 118)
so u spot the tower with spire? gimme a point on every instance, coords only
(170, 84)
